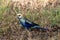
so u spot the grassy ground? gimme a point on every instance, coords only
(10, 29)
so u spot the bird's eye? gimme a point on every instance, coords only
(19, 15)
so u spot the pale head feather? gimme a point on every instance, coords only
(20, 15)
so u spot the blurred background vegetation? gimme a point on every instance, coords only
(44, 16)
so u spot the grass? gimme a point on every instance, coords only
(9, 22)
(2, 10)
(50, 16)
(43, 17)
(1, 31)
(3, 7)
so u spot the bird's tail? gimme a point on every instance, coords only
(40, 28)
(46, 29)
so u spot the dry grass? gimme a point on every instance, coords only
(10, 29)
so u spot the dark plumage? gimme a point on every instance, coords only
(28, 24)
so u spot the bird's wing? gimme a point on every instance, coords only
(30, 23)
(36, 26)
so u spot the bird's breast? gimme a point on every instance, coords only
(22, 21)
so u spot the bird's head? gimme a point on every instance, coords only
(19, 15)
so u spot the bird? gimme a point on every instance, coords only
(26, 23)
